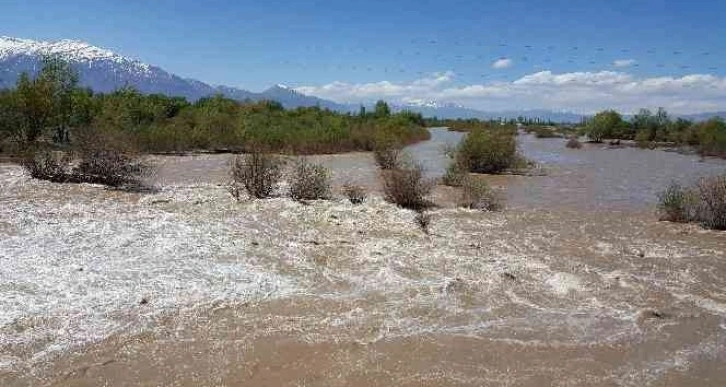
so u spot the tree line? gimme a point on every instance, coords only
(51, 110)
(649, 129)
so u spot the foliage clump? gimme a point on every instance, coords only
(407, 186)
(487, 151)
(573, 143)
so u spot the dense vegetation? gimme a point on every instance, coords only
(649, 129)
(51, 111)
(485, 151)
(704, 203)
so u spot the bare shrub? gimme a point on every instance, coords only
(51, 166)
(310, 181)
(355, 193)
(387, 157)
(477, 195)
(257, 172)
(712, 194)
(423, 219)
(111, 168)
(705, 203)
(387, 152)
(407, 187)
(573, 143)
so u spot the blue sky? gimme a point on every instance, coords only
(343, 49)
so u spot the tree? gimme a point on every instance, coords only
(62, 80)
(382, 110)
(604, 125)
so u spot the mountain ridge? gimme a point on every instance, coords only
(104, 71)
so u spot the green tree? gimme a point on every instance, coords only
(604, 125)
(382, 110)
(61, 80)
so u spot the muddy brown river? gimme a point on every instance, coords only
(575, 283)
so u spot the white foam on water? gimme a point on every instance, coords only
(563, 283)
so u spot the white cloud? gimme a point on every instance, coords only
(624, 62)
(583, 92)
(502, 63)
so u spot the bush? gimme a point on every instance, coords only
(486, 151)
(677, 204)
(356, 194)
(387, 152)
(712, 194)
(705, 204)
(477, 195)
(407, 187)
(257, 172)
(310, 182)
(423, 219)
(111, 168)
(51, 166)
(573, 143)
(454, 175)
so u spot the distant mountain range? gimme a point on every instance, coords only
(104, 71)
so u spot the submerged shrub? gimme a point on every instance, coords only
(310, 182)
(257, 172)
(407, 187)
(387, 156)
(573, 143)
(454, 175)
(423, 219)
(486, 151)
(355, 194)
(477, 195)
(676, 204)
(51, 166)
(712, 194)
(111, 168)
(705, 203)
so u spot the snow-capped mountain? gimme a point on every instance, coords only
(98, 68)
(103, 70)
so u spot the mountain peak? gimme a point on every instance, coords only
(69, 49)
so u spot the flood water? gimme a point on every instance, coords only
(594, 178)
(186, 286)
